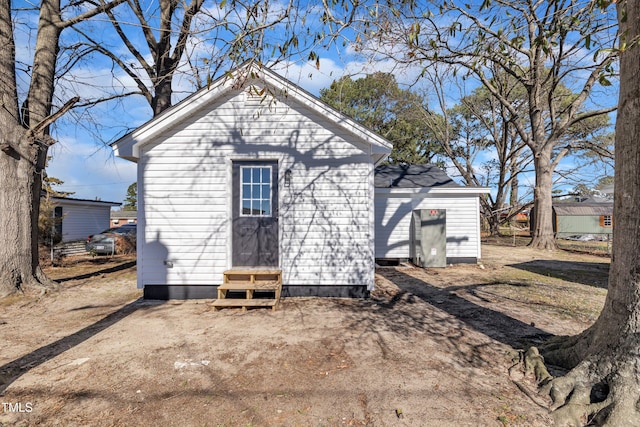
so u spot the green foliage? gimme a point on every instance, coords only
(377, 102)
(131, 199)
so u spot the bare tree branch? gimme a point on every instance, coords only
(104, 7)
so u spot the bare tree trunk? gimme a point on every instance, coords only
(543, 236)
(19, 230)
(603, 388)
(162, 95)
(494, 223)
(24, 149)
(494, 217)
(25, 140)
(15, 233)
(515, 183)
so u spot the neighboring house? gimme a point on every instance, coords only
(120, 217)
(583, 218)
(400, 190)
(80, 217)
(253, 171)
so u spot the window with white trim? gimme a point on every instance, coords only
(255, 194)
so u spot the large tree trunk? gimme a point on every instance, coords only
(162, 95)
(165, 64)
(15, 234)
(495, 212)
(515, 185)
(543, 236)
(603, 387)
(19, 201)
(23, 148)
(24, 141)
(498, 205)
(494, 223)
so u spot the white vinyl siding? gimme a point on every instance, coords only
(185, 183)
(80, 221)
(393, 223)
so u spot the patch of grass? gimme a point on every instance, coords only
(568, 302)
(507, 417)
(549, 292)
(594, 247)
(523, 238)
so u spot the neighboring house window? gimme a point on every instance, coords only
(255, 197)
(606, 221)
(131, 221)
(115, 221)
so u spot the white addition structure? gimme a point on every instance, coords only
(81, 217)
(254, 173)
(401, 190)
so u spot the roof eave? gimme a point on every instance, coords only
(86, 202)
(378, 158)
(433, 190)
(128, 147)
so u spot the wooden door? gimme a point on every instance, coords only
(255, 214)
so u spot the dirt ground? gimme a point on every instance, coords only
(429, 348)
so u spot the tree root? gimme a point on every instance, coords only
(566, 351)
(543, 243)
(534, 364)
(43, 280)
(14, 282)
(602, 390)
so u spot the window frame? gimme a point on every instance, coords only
(260, 199)
(607, 221)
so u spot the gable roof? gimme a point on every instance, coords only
(122, 214)
(583, 208)
(412, 176)
(128, 146)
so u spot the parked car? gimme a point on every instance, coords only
(113, 240)
(588, 237)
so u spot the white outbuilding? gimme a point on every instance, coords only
(80, 218)
(407, 196)
(254, 172)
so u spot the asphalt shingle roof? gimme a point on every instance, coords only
(583, 209)
(122, 214)
(412, 176)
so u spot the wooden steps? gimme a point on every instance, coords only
(249, 281)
